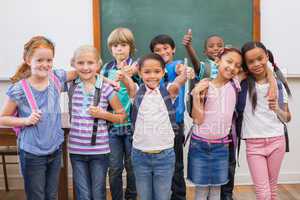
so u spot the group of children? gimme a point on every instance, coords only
(132, 115)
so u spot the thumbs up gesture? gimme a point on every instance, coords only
(187, 38)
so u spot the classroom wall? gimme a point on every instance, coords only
(290, 172)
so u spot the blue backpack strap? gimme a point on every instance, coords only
(281, 105)
(107, 67)
(171, 110)
(136, 104)
(239, 109)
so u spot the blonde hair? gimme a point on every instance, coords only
(24, 70)
(121, 35)
(84, 49)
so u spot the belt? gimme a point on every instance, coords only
(224, 140)
(153, 151)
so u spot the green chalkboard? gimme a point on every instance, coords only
(232, 19)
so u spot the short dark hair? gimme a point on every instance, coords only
(210, 36)
(162, 39)
(151, 56)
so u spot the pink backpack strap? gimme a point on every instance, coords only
(29, 96)
(55, 80)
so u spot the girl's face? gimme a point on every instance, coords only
(151, 73)
(230, 65)
(120, 51)
(214, 46)
(256, 60)
(165, 51)
(86, 65)
(41, 62)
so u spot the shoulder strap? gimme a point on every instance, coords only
(55, 81)
(136, 104)
(107, 67)
(207, 70)
(71, 90)
(29, 96)
(171, 110)
(96, 102)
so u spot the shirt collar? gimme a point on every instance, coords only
(152, 91)
(98, 83)
(129, 61)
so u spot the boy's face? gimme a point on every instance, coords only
(120, 51)
(151, 73)
(165, 51)
(86, 65)
(214, 46)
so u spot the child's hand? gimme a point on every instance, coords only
(180, 69)
(200, 89)
(120, 75)
(272, 93)
(34, 118)
(273, 104)
(190, 73)
(187, 38)
(130, 70)
(95, 111)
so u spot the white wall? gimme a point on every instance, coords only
(290, 172)
(67, 23)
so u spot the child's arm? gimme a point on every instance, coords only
(118, 117)
(272, 92)
(128, 82)
(7, 118)
(187, 42)
(284, 115)
(71, 75)
(177, 83)
(198, 101)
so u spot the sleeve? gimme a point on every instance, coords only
(108, 91)
(16, 93)
(61, 75)
(201, 72)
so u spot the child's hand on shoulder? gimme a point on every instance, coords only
(273, 104)
(33, 119)
(95, 111)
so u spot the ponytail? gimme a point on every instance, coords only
(22, 72)
(278, 73)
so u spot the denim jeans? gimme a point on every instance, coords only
(120, 141)
(153, 173)
(89, 175)
(41, 174)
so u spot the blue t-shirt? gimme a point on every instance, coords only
(179, 102)
(46, 136)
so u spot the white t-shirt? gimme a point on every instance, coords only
(263, 123)
(153, 129)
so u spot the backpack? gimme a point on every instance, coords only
(191, 85)
(96, 101)
(30, 98)
(232, 132)
(167, 100)
(241, 106)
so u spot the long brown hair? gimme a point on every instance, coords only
(24, 70)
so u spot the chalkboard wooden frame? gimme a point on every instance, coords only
(97, 26)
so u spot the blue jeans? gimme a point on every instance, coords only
(153, 173)
(120, 141)
(89, 175)
(41, 174)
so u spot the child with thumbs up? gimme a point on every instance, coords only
(122, 47)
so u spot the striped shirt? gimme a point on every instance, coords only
(82, 122)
